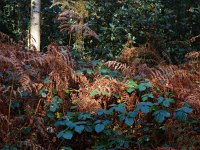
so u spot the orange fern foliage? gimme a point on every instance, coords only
(182, 80)
(21, 72)
(31, 64)
(104, 90)
(193, 55)
(146, 53)
(54, 71)
(125, 69)
(65, 25)
(106, 87)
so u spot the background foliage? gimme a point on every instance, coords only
(168, 25)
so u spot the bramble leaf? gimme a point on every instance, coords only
(67, 135)
(129, 121)
(94, 92)
(181, 114)
(160, 115)
(79, 129)
(99, 128)
(144, 107)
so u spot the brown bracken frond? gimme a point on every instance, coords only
(180, 79)
(125, 69)
(65, 25)
(146, 53)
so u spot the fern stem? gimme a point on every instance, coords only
(10, 103)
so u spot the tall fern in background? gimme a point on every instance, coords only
(72, 20)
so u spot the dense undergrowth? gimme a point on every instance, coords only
(53, 101)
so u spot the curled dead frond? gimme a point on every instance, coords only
(114, 65)
(123, 68)
(89, 105)
(194, 38)
(79, 81)
(105, 88)
(179, 79)
(193, 55)
(88, 32)
(146, 53)
(26, 69)
(65, 25)
(68, 58)
(4, 38)
(67, 15)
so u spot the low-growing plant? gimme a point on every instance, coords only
(117, 127)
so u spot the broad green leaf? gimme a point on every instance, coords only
(106, 122)
(147, 96)
(144, 98)
(105, 93)
(54, 107)
(144, 107)
(84, 116)
(101, 112)
(142, 87)
(67, 91)
(132, 114)
(181, 114)
(89, 71)
(129, 121)
(88, 129)
(60, 134)
(120, 108)
(131, 85)
(78, 72)
(79, 129)
(121, 117)
(95, 62)
(99, 128)
(50, 114)
(98, 121)
(73, 107)
(186, 109)
(160, 100)
(160, 115)
(130, 90)
(70, 124)
(67, 135)
(168, 101)
(60, 123)
(104, 71)
(81, 123)
(94, 92)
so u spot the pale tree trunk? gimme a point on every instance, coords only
(35, 24)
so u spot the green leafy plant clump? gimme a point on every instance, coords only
(118, 127)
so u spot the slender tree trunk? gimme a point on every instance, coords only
(35, 24)
(80, 6)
